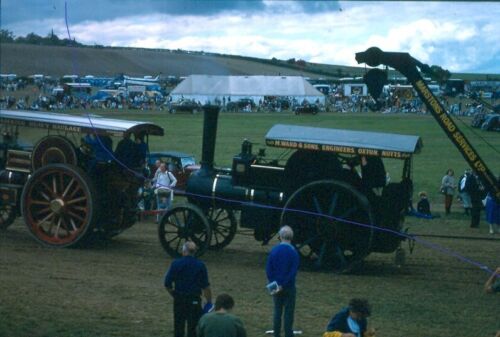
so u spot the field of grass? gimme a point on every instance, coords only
(115, 289)
(184, 133)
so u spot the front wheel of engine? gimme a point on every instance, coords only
(181, 224)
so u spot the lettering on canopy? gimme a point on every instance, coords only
(40, 125)
(55, 126)
(337, 149)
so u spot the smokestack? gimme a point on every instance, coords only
(211, 115)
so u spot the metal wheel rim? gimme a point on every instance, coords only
(325, 240)
(223, 225)
(57, 205)
(181, 224)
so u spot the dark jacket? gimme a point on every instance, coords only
(339, 322)
(423, 206)
(474, 188)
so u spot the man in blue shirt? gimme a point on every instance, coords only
(282, 265)
(190, 277)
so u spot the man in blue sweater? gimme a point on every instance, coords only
(282, 265)
(190, 277)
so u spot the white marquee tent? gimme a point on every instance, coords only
(209, 89)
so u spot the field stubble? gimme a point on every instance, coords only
(115, 289)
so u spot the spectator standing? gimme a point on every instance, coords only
(282, 266)
(164, 184)
(221, 323)
(492, 285)
(464, 195)
(190, 277)
(448, 189)
(351, 321)
(492, 213)
(474, 188)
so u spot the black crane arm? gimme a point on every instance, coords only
(409, 67)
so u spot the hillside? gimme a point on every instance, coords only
(28, 59)
(24, 59)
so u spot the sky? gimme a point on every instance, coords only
(459, 36)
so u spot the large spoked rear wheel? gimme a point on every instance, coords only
(184, 223)
(223, 224)
(7, 215)
(332, 224)
(59, 205)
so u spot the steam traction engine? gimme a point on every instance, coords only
(66, 195)
(316, 191)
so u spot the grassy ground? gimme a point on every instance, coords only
(115, 289)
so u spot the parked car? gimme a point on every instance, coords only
(306, 108)
(244, 104)
(180, 164)
(491, 122)
(184, 106)
(478, 120)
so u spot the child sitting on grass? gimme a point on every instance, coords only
(423, 206)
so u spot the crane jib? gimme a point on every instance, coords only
(408, 66)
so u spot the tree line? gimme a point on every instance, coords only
(51, 39)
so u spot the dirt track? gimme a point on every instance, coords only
(115, 289)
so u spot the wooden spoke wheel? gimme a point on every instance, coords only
(52, 150)
(59, 205)
(7, 215)
(181, 224)
(332, 224)
(223, 224)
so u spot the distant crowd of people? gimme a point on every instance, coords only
(470, 192)
(473, 196)
(49, 98)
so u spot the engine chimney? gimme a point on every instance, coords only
(211, 115)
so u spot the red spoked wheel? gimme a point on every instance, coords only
(59, 205)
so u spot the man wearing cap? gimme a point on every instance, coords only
(351, 321)
(190, 277)
(282, 265)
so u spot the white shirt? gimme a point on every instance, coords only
(165, 180)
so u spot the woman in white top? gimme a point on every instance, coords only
(164, 183)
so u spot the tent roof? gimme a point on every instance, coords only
(246, 86)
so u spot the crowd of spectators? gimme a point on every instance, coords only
(48, 94)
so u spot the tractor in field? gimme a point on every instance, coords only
(68, 187)
(316, 190)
